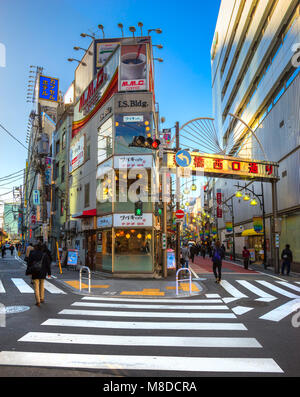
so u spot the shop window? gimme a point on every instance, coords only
(86, 195)
(133, 250)
(105, 141)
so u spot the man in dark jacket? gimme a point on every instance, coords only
(217, 256)
(287, 259)
(39, 265)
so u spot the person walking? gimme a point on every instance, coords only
(185, 256)
(193, 251)
(39, 266)
(287, 259)
(3, 250)
(246, 256)
(12, 248)
(217, 256)
(203, 251)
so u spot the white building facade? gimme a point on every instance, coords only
(255, 59)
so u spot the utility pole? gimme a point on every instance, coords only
(177, 252)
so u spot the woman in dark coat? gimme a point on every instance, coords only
(39, 265)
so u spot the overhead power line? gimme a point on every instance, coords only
(13, 136)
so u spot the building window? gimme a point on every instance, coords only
(62, 205)
(63, 173)
(57, 147)
(88, 151)
(63, 141)
(86, 195)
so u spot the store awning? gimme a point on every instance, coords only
(251, 232)
(85, 214)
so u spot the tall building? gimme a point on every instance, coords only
(255, 77)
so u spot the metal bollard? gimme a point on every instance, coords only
(190, 280)
(80, 276)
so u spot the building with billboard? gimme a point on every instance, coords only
(114, 102)
(255, 76)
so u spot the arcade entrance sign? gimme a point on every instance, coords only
(212, 165)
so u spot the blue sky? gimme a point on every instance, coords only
(44, 32)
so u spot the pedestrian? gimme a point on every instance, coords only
(217, 256)
(246, 257)
(11, 250)
(39, 266)
(185, 255)
(3, 249)
(287, 259)
(203, 251)
(223, 248)
(193, 251)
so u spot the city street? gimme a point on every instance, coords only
(241, 327)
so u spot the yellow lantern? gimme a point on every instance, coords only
(139, 236)
(127, 236)
(149, 236)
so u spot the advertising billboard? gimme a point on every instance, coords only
(77, 154)
(104, 50)
(133, 68)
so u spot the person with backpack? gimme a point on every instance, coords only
(39, 266)
(246, 256)
(287, 259)
(217, 256)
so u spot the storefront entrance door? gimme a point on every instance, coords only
(90, 259)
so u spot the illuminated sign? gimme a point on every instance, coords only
(91, 95)
(230, 167)
(133, 119)
(48, 88)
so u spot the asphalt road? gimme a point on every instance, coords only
(242, 327)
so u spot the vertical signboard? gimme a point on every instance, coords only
(36, 197)
(133, 68)
(219, 203)
(48, 89)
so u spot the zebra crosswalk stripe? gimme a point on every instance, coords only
(145, 325)
(141, 306)
(282, 311)
(134, 340)
(232, 290)
(277, 289)
(52, 288)
(2, 290)
(130, 362)
(22, 286)
(145, 314)
(256, 290)
(288, 285)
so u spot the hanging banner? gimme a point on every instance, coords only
(214, 230)
(228, 226)
(258, 223)
(36, 197)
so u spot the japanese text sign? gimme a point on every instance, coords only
(48, 88)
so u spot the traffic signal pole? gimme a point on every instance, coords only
(177, 251)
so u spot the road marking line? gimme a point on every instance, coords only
(162, 307)
(256, 290)
(228, 300)
(155, 363)
(2, 290)
(212, 295)
(291, 286)
(22, 286)
(241, 309)
(277, 289)
(146, 314)
(175, 300)
(145, 325)
(282, 311)
(134, 340)
(52, 288)
(232, 290)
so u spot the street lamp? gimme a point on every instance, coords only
(101, 27)
(83, 49)
(120, 25)
(87, 35)
(159, 46)
(140, 25)
(158, 31)
(77, 60)
(158, 59)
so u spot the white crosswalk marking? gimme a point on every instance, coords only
(2, 290)
(165, 307)
(52, 288)
(282, 311)
(291, 286)
(256, 290)
(148, 363)
(277, 289)
(142, 300)
(192, 334)
(145, 325)
(232, 290)
(22, 286)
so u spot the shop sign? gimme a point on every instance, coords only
(104, 221)
(87, 224)
(132, 102)
(130, 220)
(125, 162)
(48, 164)
(106, 112)
(230, 167)
(133, 68)
(77, 154)
(171, 262)
(72, 257)
(36, 197)
(258, 223)
(48, 89)
(91, 95)
(133, 119)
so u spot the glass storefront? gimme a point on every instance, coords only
(104, 250)
(133, 250)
